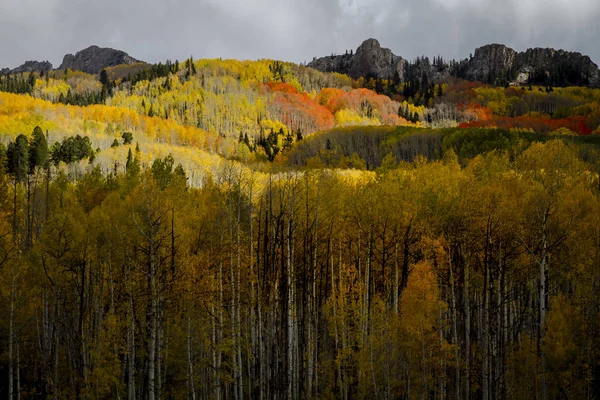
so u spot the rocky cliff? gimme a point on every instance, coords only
(94, 59)
(489, 61)
(494, 63)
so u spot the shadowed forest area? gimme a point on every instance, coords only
(448, 278)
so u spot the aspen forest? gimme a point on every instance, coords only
(222, 229)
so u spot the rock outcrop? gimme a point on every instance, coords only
(94, 59)
(488, 61)
(370, 59)
(33, 66)
(333, 63)
(494, 63)
(373, 60)
(29, 66)
(542, 66)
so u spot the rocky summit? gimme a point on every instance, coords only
(370, 60)
(94, 59)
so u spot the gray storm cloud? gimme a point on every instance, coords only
(294, 30)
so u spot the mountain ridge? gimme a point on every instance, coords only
(91, 60)
(493, 63)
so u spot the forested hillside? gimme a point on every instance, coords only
(429, 278)
(222, 229)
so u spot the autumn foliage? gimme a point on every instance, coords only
(223, 229)
(534, 124)
(297, 110)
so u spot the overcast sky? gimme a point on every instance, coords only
(291, 30)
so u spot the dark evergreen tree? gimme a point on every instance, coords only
(162, 171)
(396, 79)
(378, 86)
(288, 141)
(38, 149)
(129, 160)
(104, 78)
(71, 149)
(127, 137)
(179, 177)
(18, 158)
(2, 156)
(132, 166)
(31, 81)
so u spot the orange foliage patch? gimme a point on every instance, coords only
(330, 98)
(282, 87)
(359, 101)
(476, 112)
(297, 110)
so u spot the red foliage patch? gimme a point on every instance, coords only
(282, 87)
(541, 125)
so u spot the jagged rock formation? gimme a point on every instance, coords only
(94, 59)
(494, 63)
(33, 66)
(373, 60)
(333, 63)
(499, 64)
(29, 66)
(370, 60)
